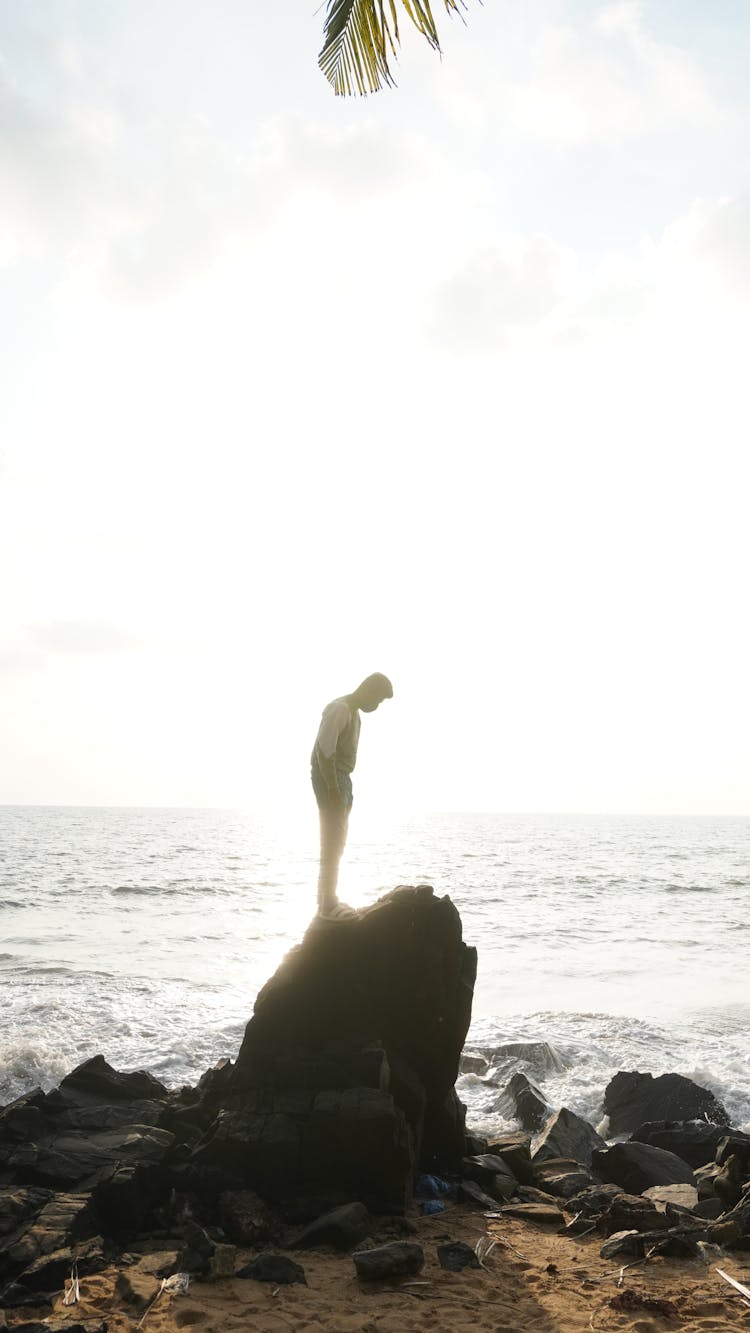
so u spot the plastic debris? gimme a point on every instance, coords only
(73, 1292)
(430, 1206)
(434, 1187)
(483, 1248)
(740, 1288)
(178, 1283)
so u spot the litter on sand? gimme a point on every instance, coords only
(73, 1292)
(177, 1283)
(744, 1292)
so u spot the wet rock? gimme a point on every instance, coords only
(276, 1268)
(19, 1207)
(71, 1159)
(97, 1081)
(632, 1212)
(566, 1184)
(522, 1100)
(515, 1151)
(538, 1054)
(632, 1099)
(456, 1255)
(623, 1245)
(683, 1197)
(593, 1201)
(62, 1221)
(401, 1258)
(735, 1145)
(342, 1228)
(637, 1166)
(695, 1141)
(709, 1209)
(471, 1063)
(567, 1135)
(47, 1274)
(491, 1173)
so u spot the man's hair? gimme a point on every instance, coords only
(378, 682)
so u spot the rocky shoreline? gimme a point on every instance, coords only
(337, 1131)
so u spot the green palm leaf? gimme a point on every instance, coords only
(359, 36)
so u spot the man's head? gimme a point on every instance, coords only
(372, 692)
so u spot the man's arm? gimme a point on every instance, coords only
(335, 720)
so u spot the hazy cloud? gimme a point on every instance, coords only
(83, 636)
(608, 81)
(498, 292)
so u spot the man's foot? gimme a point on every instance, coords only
(337, 911)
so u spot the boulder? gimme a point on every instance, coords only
(567, 1184)
(62, 1221)
(522, 1100)
(735, 1145)
(515, 1150)
(491, 1173)
(345, 1077)
(397, 975)
(400, 1258)
(539, 1055)
(681, 1197)
(632, 1099)
(340, 1229)
(695, 1141)
(638, 1166)
(456, 1255)
(567, 1135)
(95, 1080)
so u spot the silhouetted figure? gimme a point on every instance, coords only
(333, 758)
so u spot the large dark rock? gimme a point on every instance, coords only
(345, 1078)
(632, 1099)
(95, 1080)
(567, 1135)
(521, 1100)
(695, 1141)
(397, 976)
(638, 1166)
(401, 1258)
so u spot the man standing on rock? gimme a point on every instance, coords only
(333, 758)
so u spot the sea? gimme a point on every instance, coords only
(604, 943)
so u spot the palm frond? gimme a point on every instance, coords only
(359, 36)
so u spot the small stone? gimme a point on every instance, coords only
(457, 1255)
(274, 1268)
(402, 1258)
(624, 1243)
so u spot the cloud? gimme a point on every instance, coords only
(499, 292)
(609, 81)
(142, 206)
(83, 636)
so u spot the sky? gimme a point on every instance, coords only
(448, 382)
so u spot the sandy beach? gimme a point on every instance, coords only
(533, 1281)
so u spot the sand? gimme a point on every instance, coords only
(534, 1281)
